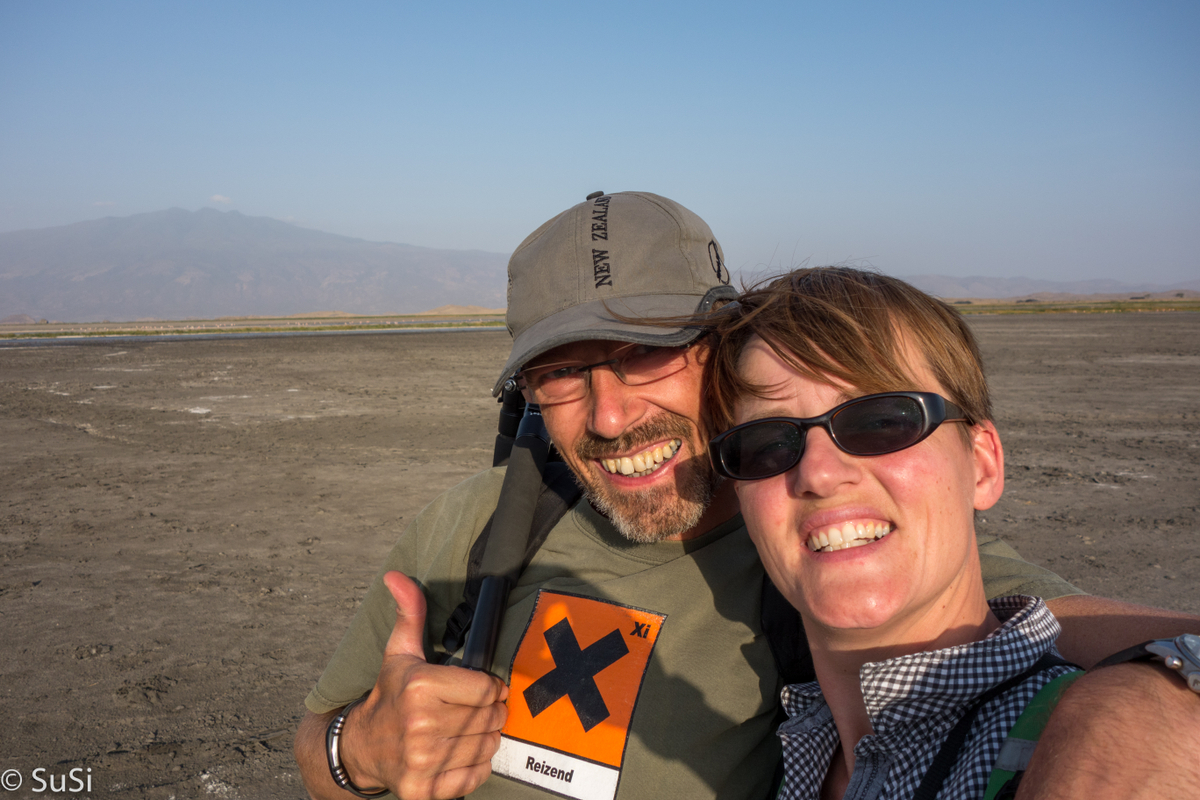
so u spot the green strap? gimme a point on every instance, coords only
(1018, 747)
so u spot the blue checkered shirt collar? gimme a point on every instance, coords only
(913, 702)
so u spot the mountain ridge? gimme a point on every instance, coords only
(208, 263)
(205, 264)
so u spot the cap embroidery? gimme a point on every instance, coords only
(714, 257)
(600, 219)
(601, 268)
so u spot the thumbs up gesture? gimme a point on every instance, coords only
(425, 730)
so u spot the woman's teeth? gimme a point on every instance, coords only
(847, 535)
(644, 462)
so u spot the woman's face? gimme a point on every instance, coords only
(910, 584)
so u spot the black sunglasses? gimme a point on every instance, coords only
(871, 425)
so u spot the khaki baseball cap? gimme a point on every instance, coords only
(634, 254)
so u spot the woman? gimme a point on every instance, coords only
(862, 444)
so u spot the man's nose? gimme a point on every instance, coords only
(823, 467)
(613, 406)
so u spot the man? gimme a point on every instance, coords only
(631, 652)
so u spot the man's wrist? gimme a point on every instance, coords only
(335, 754)
(1180, 655)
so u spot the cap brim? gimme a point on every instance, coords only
(595, 321)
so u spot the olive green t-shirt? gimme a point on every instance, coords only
(692, 710)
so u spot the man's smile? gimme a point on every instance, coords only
(644, 462)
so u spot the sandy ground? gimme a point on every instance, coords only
(187, 527)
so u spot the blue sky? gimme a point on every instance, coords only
(1051, 140)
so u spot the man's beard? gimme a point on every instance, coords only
(649, 515)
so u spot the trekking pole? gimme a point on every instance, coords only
(501, 563)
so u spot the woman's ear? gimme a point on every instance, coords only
(988, 455)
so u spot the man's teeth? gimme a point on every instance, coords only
(644, 462)
(847, 535)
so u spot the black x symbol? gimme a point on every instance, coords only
(574, 674)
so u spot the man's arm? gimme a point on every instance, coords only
(1095, 627)
(424, 731)
(1128, 731)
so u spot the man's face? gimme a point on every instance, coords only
(639, 451)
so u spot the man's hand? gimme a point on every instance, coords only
(424, 731)
(1127, 731)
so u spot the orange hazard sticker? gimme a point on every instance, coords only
(577, 673)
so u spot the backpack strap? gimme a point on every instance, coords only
(784, 630)
(947, 757)
(1023, 738)
(559, 491)
(785, 634)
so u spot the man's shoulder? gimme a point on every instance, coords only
(448, 523)
(453, 519)
(489, 480)
(479, 494)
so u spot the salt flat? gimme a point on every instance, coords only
(174, 581)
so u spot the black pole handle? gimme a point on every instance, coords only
(501, 563)
(480, 649)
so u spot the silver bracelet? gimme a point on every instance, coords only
(333, 735)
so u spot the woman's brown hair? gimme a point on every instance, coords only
(849, 325)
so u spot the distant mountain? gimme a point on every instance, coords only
(981, 287)
(179, 264)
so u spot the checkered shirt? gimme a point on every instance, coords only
(914, 701)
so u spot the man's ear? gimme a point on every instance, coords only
(988, 455)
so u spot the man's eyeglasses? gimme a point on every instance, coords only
(633, 364)
(865, 426)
